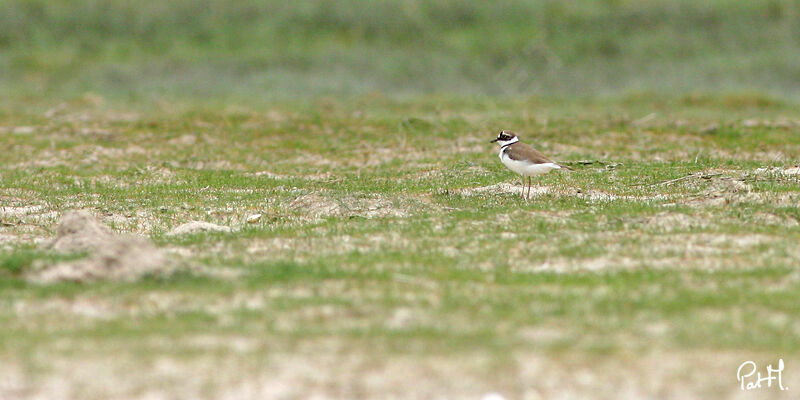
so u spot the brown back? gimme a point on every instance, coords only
(522, 152)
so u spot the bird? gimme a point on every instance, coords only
(523, 159)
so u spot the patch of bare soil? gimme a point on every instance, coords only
(26, 214)
(781, 123)
(316, 205)
(571, 265)
(730, 190)
(555, 217)
(772, 219)
(669, 221)
(679, 250)
(505, 187)
(791, 171)
(777, 171)
(197, 227)
(316, 160)
(16, 212)
(304, 248)
(111, 256)
(536, 191)
(21, 221)
(711, 250)
(723, 190)
(310, 177)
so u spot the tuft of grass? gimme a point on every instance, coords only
(15, 262)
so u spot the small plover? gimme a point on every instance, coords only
(523, 159)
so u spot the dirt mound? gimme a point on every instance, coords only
(197, 227)
(80, 231)
(111, 256)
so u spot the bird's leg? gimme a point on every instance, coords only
(529, 188)
(530, 183)
(522, 178)
(525, 188)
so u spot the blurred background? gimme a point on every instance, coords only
(134, 51)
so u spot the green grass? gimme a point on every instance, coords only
(16, 261)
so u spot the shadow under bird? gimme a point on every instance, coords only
(524, 159)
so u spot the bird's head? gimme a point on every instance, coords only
(505, 138)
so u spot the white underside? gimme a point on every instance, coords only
(526, 168)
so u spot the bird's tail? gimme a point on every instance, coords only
(565, 167)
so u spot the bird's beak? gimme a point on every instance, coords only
(492, 141)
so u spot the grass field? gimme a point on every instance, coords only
(377, 248)
(394, 248)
